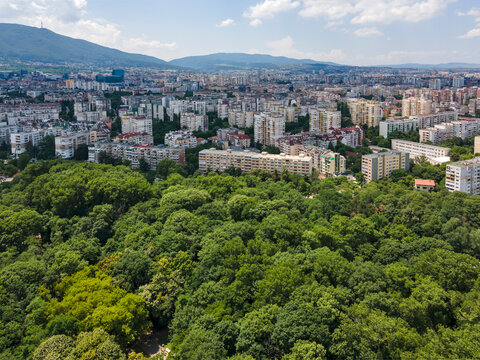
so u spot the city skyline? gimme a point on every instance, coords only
(351, 32)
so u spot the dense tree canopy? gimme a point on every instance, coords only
(251, 266)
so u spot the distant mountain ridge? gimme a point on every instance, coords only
(20, 43)
(31, 44)
(239, 61)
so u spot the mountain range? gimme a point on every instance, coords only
(26, 44)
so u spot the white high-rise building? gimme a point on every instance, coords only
(132, 124)
(464, 176)
(458, 82)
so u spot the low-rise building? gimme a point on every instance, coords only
(463, 176)
(425, 185)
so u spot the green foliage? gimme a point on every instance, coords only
(241, 266)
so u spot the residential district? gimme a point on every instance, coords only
(365, 125)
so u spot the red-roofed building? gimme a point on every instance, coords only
(425, 185)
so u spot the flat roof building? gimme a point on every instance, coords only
(464, 176)
(377, 166)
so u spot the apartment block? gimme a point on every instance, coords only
(377, 166)
(19, 141)
(136, 138)
(324, 120)
(240, 118)
(426, 121)
(180, 138)
(267, 127)
(221, 160)
(133, 124)
(464, 176)
(365, 112)
(326, 162)
(477, 145)
(133, 153)
(194, 122)
(464, 129)
(416, 106)
(66, 145)
(391, 125)
(415, 149)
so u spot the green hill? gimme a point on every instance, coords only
(31, 44)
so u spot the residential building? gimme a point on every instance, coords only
(194, 122)
(221, 160)
(326, 162)
(464, 176)
(240, 118)
(425, 185)
(397, 124)
(464, 129)
(133, 153)
(416, 106)
(19, 141)
(458, 82)
(132, 124)
(365, 112)
(241, 140)
(136, 138)
(325, 120)
(435, 84)
(66, 145)
(377, 166)
(415, 149)
(267, 127)
(224, 133)
(477, 145)
(182, 138)
(429, 120)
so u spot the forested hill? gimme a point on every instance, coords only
(255, 266)
(30, 44)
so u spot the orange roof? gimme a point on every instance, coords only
(422, 182)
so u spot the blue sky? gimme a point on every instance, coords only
(363, 32)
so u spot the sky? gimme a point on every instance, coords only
(353, 32)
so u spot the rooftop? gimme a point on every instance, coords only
(422, 182)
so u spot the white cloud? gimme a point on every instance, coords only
(286, 47)
(255, 22)
(331, 9)
(69, 17)
(475, 32)
(226, 22)
(368, 31)
(268, 9)
(375, 11)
